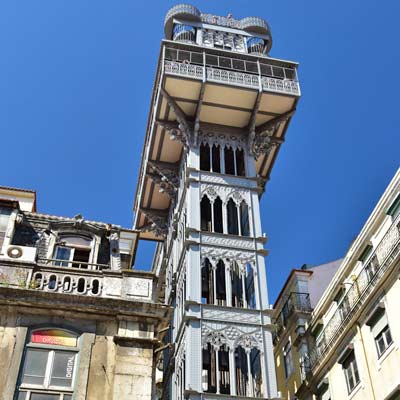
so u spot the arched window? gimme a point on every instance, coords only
(216, 159)
(223, 370)
(240, 168)
(209, 370)
(237, 286)
(250, 290)
(220, 284)
(207, 283)
(205, 163)
(229, 161)
(244, 219)
(217, 223)
(205, 214)
(241, 372)
(255, 365)
(233, 226)
(49, 365)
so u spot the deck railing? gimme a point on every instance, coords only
(232, 71)
(378, 264)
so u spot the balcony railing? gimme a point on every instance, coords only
(231, 71)
(295, 302)
(378, 264)
(53, 262)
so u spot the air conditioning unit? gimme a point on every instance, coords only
(19, 253)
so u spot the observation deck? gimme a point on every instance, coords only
(202, 89)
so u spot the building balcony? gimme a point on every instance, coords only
(375, 270)
(295, 302)
(260, 74)
(95, 282)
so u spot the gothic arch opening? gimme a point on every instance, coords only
(205, 163)
(244, 219)
(229, 161)
(217, 223)
(216, 158)
(220, 284)
(209, 373)
(207, 282)
(233, 226)
(205, 214)
(240, 168)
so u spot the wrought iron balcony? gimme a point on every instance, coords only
(378, 265)
(263, 75)
(295, 302)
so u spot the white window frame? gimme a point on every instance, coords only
(288, 372)
(46, 388)
(351, 368)
(384, 333)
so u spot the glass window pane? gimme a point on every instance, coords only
(21, 396)
(63, 369)
(35, 366)
(67, 397)
(4, 217)
(62, 253)
(44, 396)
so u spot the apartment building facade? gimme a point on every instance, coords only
(353, 333)
(76, 321)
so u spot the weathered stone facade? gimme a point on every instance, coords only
(80, 293)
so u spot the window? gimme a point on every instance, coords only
(205, 157)
(394, 209)
(351, 371)
(218, 224)
(288, 359)
(229, 161)
(205, 214)
(209, 370)
(383, 340)
(223, 370)
(372, 267)
(241, 371)
(233, 226)
(244, 219)
(4, 217)
(72, 251)
(207, 283)
(240, 163)
(216, 162)
(237, 287)
(250, 291)
(220, 284)
(380, 330)
(255, 365)
(49, 366)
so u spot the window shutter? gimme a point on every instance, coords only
(379, 324)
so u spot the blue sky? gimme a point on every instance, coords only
(75, 84)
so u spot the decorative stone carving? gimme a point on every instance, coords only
(224, 193)
(262, 143)
(219, 334)
(216, 339)
(235, 141)
(247, 342)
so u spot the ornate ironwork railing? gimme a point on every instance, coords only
(295, 301)
(231, 71)
(378, 264)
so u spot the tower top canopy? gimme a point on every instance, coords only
(188, 13)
